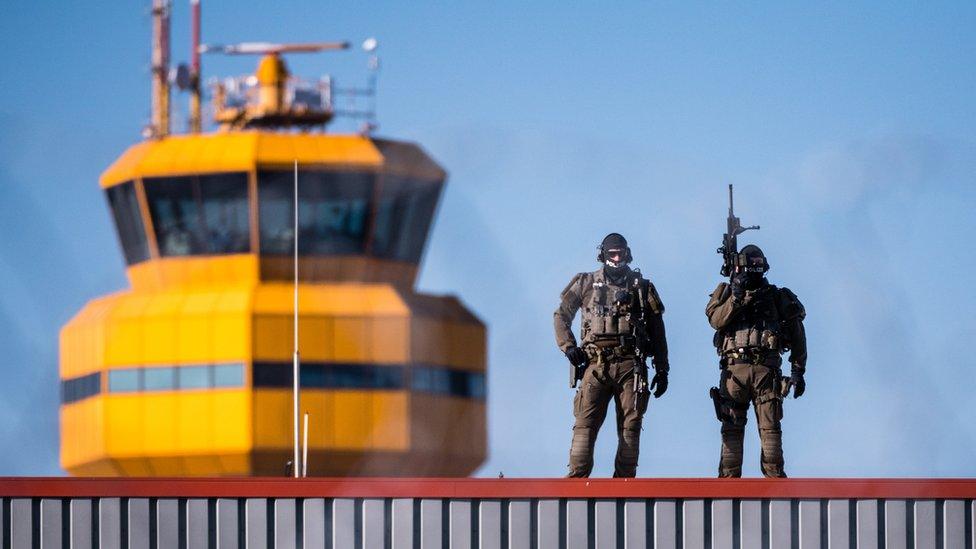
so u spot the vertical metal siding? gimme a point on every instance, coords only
(408, 523)
(227, 511)
(80, 525)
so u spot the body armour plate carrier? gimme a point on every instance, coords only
(756, 327)
(609, 313)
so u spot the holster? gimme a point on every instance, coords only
(716, 396)
(576, 372)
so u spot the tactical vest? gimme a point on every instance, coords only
(610, 311)
(756, 329)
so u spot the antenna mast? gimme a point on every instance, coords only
(195, 66)
(296, 464)
(160, 68)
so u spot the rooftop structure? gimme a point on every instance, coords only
(491, 514)
(189, 372)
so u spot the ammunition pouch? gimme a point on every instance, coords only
(750, 337)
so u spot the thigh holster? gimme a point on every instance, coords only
(728, 410)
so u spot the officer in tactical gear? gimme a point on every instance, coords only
(622, 325)
(755, 323)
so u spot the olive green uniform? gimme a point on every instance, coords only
(751, 334)
(612, 358)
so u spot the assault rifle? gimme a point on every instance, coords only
(730, 246)
(640, 342)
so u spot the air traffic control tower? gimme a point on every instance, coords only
(189, 372)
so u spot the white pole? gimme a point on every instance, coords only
(305, 447)
(296, 465)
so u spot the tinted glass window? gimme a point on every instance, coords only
(332, 216)
(123, 381)
(128, 222)
(193, 377)
(225, 213)
(228, 375)
(159, 379)
(448, 382)
(199, 215)
(176, 215)
(330, 376)
(78, 388)
(403, 215)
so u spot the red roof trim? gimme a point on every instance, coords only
(493, 488)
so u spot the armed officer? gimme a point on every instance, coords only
(622, 325)
(755, 323)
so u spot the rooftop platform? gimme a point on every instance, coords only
(488, 513)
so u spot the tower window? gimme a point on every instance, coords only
(228, 375)
(124, 381)
(159, 379)
(128, 222)
(79, 388)
(194, 215)
(193, 377)
(333, 212)
(403, 215)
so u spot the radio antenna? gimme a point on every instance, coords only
(297, 469)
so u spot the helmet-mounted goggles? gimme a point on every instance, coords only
(751, 264)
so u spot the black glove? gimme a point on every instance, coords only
(738, 286)
(799, 384)
(661, 382)
(576, 355)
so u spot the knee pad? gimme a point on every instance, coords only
(583, 440)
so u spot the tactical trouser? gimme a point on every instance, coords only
(606, 378)
(741, 384)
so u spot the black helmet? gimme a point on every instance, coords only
(752, 260)
(614, 241)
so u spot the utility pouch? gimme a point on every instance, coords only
(598, 325)
(623, 325)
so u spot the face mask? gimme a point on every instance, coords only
(616, 273)
(752, 280)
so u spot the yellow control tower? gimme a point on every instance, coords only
(189, 372)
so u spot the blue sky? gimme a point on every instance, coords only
(847, 129)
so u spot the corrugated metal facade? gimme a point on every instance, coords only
(568, 514)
